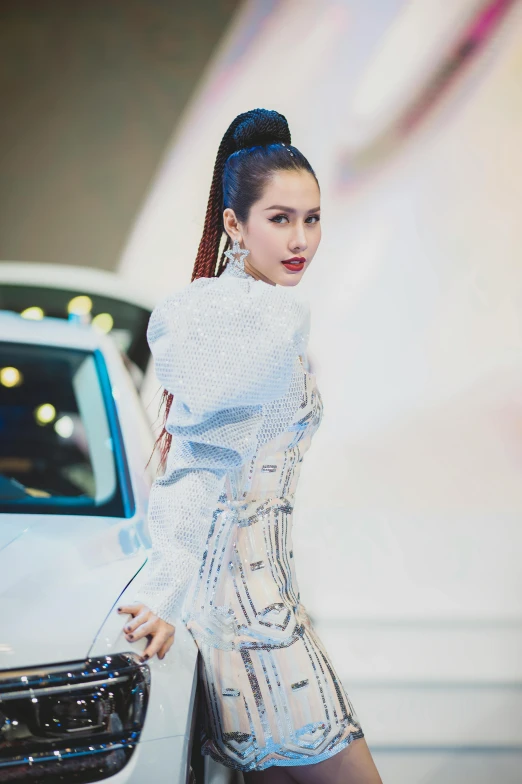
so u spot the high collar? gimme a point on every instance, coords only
(235, 271)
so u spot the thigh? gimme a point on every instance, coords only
(272, 775)
(353, 765)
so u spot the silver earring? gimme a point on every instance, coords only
(239, 263)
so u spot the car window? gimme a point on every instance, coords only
(56, 446)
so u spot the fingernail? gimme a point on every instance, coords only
(127, 628)
(130, 636)
(144, 657)
(119, 609)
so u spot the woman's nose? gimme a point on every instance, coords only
(298, 241)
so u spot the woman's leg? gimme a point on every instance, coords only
(353, 765)
(272, 775)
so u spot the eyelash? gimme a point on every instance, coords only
(282, 215)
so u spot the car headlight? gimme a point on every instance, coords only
(80, 720)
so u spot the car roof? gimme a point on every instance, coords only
(84, 280)
(49, 332)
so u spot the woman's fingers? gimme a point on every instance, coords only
(152, 648)
(156, 644)
(140, 619)
(165, 647)
(144, 623)
(142, 630)
(140, 614)
(131, 609)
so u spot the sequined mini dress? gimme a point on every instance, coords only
(221, 522)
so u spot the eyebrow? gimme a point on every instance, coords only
(289, 209)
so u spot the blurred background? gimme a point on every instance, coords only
(408, 533)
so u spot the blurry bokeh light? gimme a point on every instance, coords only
(10, 377)
(64, 426)
(80, 306)
(103, 322)
(45, 413)
(34, 313)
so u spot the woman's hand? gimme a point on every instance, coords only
(145, 624)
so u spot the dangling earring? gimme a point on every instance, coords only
(236, 250)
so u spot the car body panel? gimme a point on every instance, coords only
(160, 761)
(59, 578)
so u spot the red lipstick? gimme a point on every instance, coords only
(295, 264)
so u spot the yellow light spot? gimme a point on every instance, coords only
(80, 306)
(33, 313)
(103, 322)
(10, 377)
(36, 493)
(45, 413)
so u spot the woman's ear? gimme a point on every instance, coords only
(231, 225)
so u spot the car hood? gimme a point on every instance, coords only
(59, 578)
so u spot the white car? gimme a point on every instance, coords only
(75, 703)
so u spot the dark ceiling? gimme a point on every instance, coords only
(91, 91)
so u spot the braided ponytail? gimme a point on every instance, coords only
(254, 146)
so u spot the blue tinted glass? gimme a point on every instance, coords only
(56, 445)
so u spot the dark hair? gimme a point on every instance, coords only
(255, 145)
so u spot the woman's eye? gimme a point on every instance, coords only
(277, 218)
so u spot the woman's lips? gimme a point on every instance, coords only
(294, 266)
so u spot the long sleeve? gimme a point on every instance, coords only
(226, 350)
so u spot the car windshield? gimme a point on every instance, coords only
(56, 445)
(129, 320)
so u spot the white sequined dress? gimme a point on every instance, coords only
(232, 350)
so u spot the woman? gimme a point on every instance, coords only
(242, 407)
